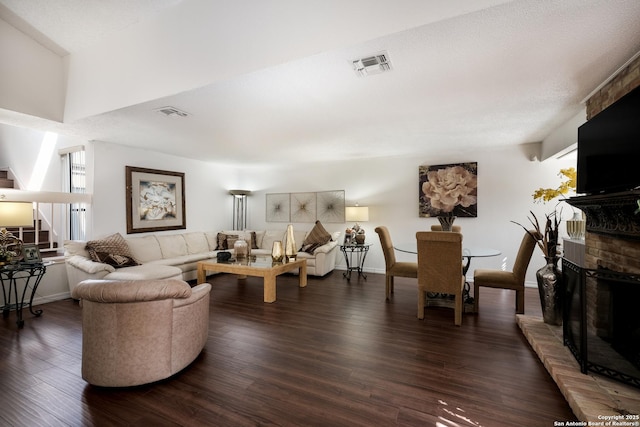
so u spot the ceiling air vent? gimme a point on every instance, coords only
(376, 64)
(171, 112)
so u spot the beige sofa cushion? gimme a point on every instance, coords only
(212, 240)
(173, 245)
(146, 272)
(144, 249)
(271, 236)
(196, 243)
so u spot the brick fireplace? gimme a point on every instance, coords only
(601, 325)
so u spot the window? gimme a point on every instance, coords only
(75, 182)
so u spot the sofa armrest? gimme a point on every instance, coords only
(89, 266)
(197, 292)
(326, 248)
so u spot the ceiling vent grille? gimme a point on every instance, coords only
(375, 64)
(171, 112)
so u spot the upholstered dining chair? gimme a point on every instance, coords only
(508, 279)
(439, 268)
(392, 267)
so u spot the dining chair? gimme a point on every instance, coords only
(439, 268)
(508, 279)
(454, 228)
(393, 268)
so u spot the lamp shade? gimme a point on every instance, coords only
(357, 213)
(16, 214)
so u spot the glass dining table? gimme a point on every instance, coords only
(467, 254)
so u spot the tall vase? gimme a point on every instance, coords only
(290, 250)
(446, 222)
(550, 289)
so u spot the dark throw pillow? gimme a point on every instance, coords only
(317, 237)
(226, 241)
(112, 250)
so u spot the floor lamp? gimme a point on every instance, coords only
(239, 208)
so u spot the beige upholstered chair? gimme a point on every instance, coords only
(138, 332)
(392, 267)
(454, 228)
(440, 268)
(508, 279)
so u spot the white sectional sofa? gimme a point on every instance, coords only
(165, 256)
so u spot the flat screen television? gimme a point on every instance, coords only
(609, 148)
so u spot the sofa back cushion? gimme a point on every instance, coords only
(172, 246)
(196, 243)
(144, 249)
(271, 236)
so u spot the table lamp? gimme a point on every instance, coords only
(13, 214)
(357, 214)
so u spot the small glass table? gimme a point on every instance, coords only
(359, 252)
(10, 274)
(467, 254)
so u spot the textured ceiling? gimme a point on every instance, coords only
(506, 73)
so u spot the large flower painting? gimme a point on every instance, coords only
(449, 190)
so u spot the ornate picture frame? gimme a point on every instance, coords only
(155, 200)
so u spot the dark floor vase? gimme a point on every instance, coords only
(549, 286)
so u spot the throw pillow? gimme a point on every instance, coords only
(226, 241)
(317, 237)
(112, 250)
(254, 240)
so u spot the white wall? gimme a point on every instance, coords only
(208, 204)
(506, 181)
(33, 77)
(389, 187)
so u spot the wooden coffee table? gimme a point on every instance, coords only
(258, 267)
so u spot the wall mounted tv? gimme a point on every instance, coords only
(609, 148)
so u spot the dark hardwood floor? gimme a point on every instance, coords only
(331, 354)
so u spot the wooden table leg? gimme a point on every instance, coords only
(202, 274)
(270, 288)
(303, 275)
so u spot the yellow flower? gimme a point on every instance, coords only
(569, 184)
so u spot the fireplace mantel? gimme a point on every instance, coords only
(611, 214)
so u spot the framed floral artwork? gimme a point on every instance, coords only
(155, 200)
(448, 190)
